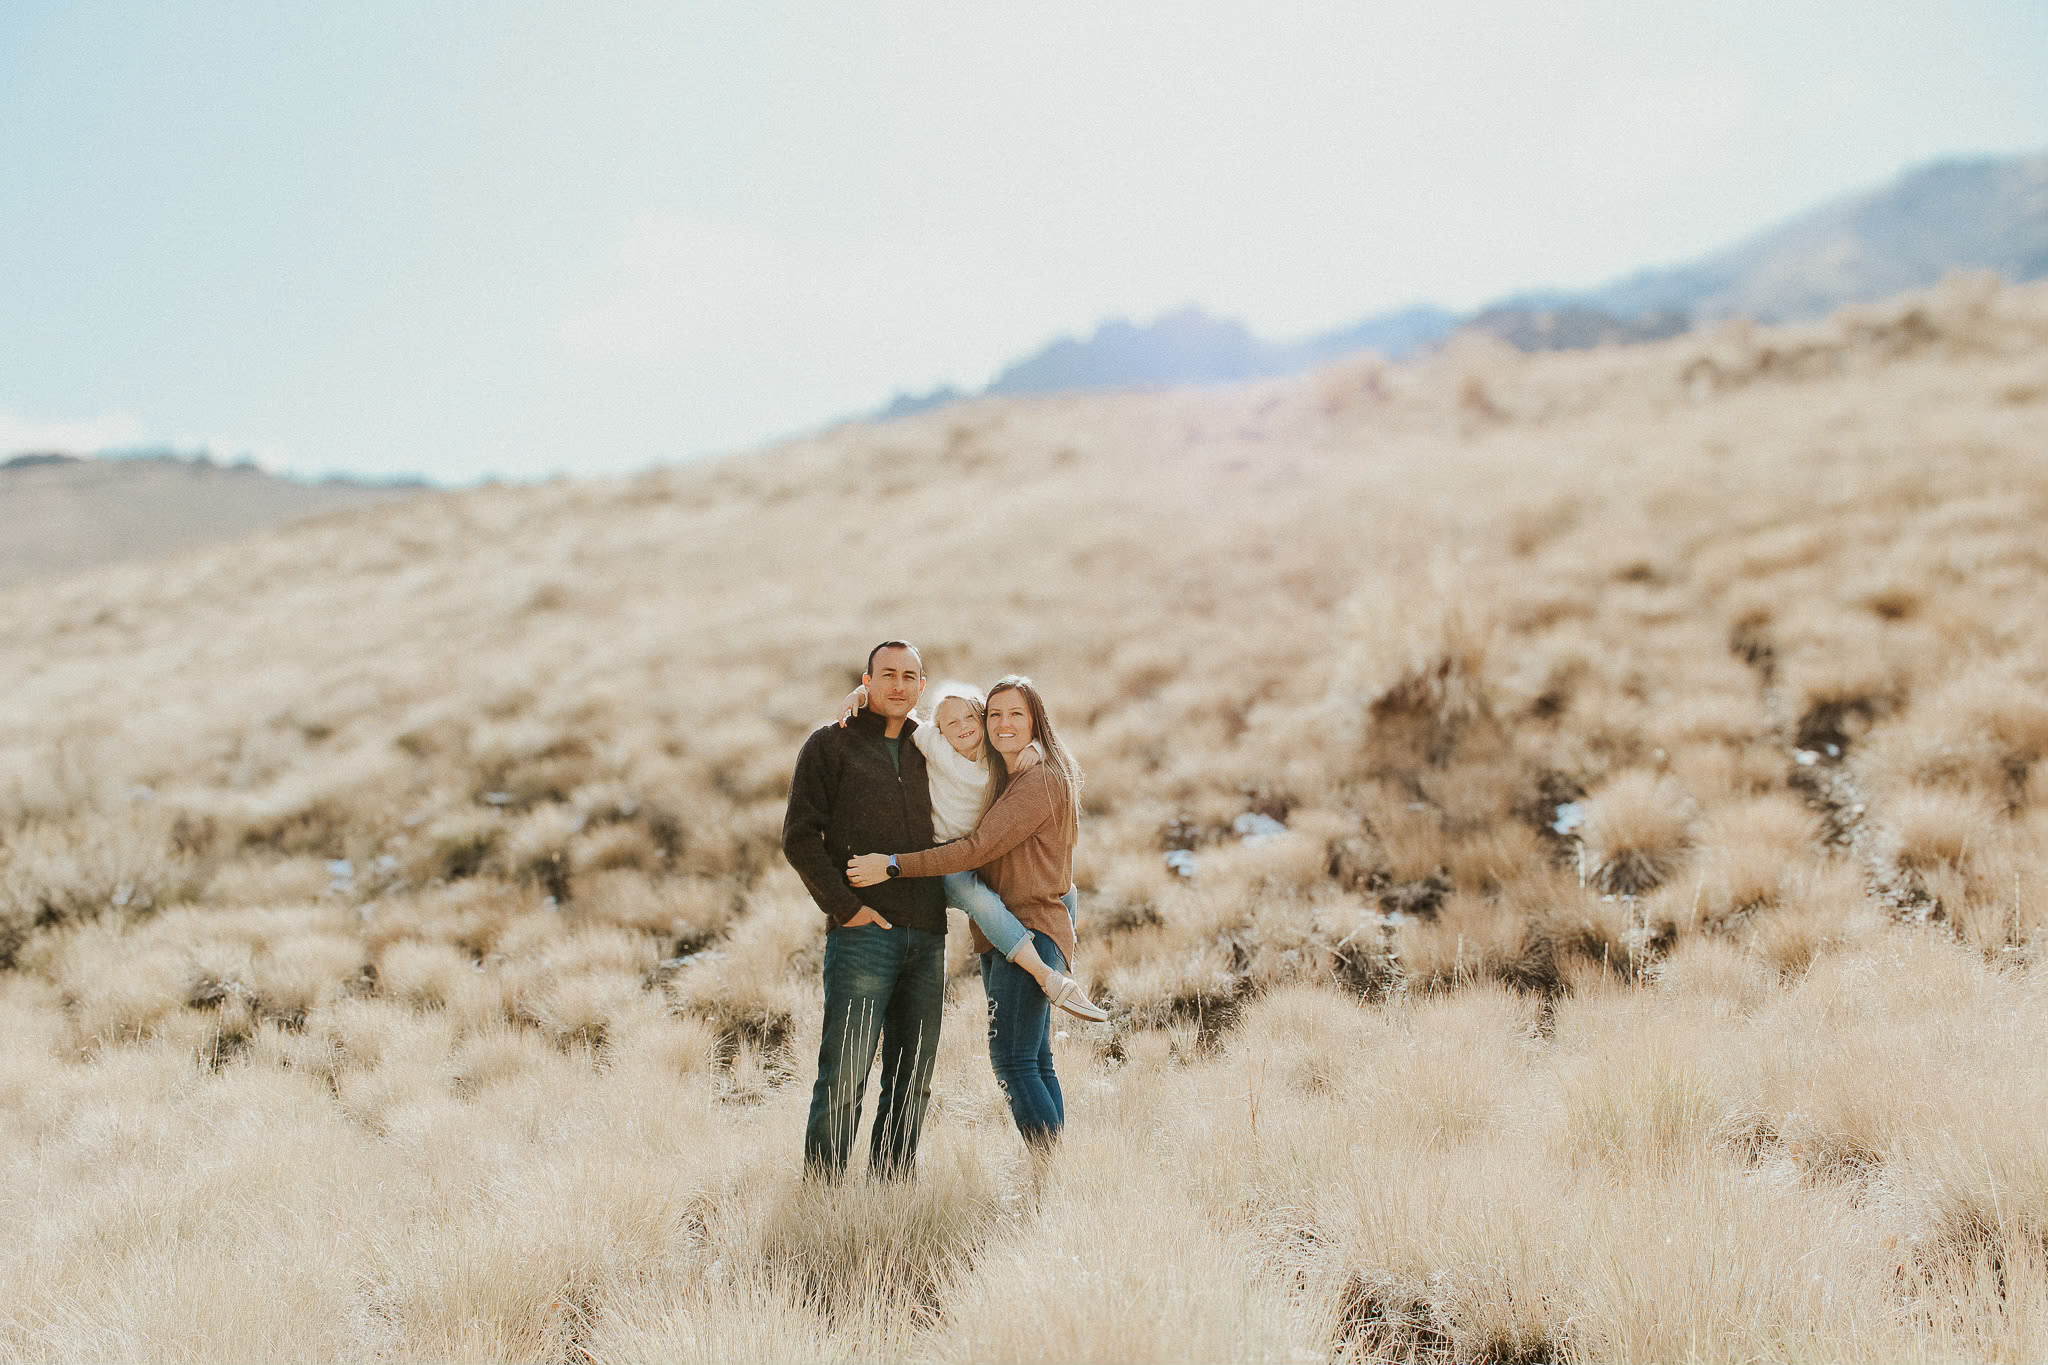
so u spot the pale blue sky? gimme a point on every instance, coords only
(517, 238)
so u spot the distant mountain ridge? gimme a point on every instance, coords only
(1188, 347)
(1987, 213)
(1979, 214)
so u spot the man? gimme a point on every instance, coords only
(863, 789)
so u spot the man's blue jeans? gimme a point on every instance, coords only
(886, 987)
(1020, 1042)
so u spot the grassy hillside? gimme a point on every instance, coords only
(400, 960)
(65, 515)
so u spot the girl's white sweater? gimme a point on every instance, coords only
(959, 785)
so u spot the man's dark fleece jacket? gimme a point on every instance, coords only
(848, 797)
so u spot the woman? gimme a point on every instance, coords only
(958, 770)
(1024, 848)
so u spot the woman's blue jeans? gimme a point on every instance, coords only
(965, 891)
(1020, 1042)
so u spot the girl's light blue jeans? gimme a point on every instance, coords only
(965, 891)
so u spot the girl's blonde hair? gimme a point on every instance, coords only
(946, 691)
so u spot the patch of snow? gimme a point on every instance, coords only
(1252, 827)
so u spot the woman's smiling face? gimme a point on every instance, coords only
(960, 723)
(1009, 723)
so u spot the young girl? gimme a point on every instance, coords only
(956, 759)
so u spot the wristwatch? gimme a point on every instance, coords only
(894, 870)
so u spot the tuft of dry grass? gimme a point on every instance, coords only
(1637, 828)
(1937, 829)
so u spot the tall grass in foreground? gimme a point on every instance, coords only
(1672, 1171)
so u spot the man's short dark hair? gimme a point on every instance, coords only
(869, 671)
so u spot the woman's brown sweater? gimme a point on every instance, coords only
(1024, 850)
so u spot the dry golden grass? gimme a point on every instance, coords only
(398, 960)
(1937, 829)
(1637, 828)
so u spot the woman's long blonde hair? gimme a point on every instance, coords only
(1056, 756)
